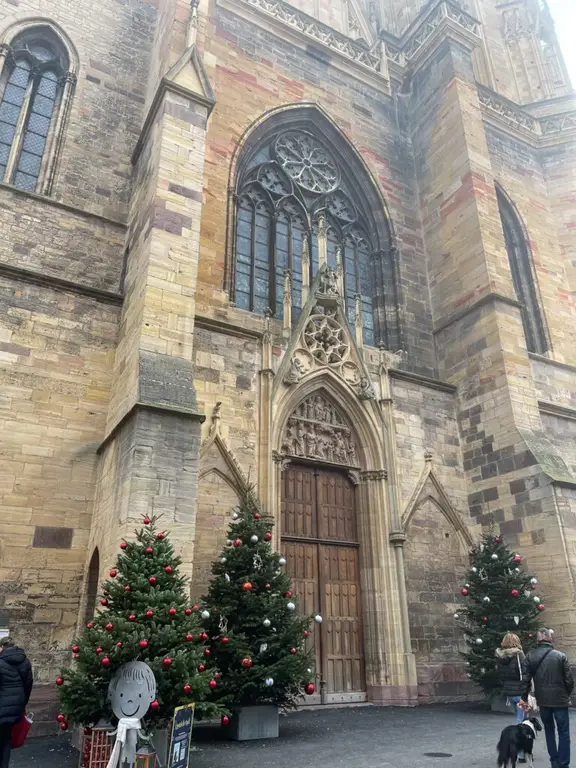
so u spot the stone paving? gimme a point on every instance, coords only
(359, 737)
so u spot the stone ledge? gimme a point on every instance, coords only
(551, 409)
(426, 381)
(486, 299)
(185, 413)
(59, 284)
(551, 361)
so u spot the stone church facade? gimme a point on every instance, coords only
(323, 248)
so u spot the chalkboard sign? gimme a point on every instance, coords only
(181, 736)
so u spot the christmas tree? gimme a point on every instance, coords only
(144, 616)
(500, 597)
(257, 637)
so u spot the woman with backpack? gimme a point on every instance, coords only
(15, 689)
(514, 674)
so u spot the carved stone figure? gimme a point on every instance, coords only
(366, 390)
(294, 373)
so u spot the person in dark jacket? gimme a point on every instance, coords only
(513, 674)
(15, 689)
(553, 684)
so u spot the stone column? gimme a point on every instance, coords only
(150, 456)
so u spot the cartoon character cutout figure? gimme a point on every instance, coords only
(131, 691)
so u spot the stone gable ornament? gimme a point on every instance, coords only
(131, 692)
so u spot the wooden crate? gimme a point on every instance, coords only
(95, 748)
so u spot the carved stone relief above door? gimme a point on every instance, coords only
(317, 430)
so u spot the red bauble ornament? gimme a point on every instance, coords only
(105, 592)
(99, 651)
(256, 516)
(75, 649)
(288, 594)
(195, 607)
(119, 644)
(76, 655)
(247, 662)
(64, 726)
(168, 569)
(225, 640)
(152, 580)
(484, 619)
(90, 625)
(59, 681)
(155, 705)
(497, 539)
(132, 617)
(103, 601)
(517, 558)
(113, 574)
(237, 542)
(293, 651)
(160, 536)
(189, 637)
(109, 627)
(266, 586)
(225, 720)
(268, 536)
(127, 588)
(143, 643)
(305, 633)
(531, 636)
(146, 521)
(123, 545)
(149, 551)
(172, 611)
(207, 652)
(514, 592)
(247, 586)
(167, 661)
(201, 667)
(188, 611)
(61, 718)
(464, 591)
(203, 636)
(310, 689)
(541, 607)
(105, 661)
(212, 684)
(187, 688)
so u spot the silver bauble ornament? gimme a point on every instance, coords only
(291, 606)
(254, 539)
(318, 619)
(494, 556)
(234, 515)
(456, 615)
(479, 641)
(205, 614)
(282, 561)
(266, 622)
(269, 682)
(222, 559)
(486, 599)
(482, 670)
(533, 580)
(474, 569)
(536, 599)
(229, 542)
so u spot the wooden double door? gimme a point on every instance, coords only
(320, 542)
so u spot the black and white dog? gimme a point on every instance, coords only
(515, 739)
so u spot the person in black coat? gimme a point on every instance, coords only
(15, 689)
(513, 673)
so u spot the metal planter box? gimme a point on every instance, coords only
(251, 723)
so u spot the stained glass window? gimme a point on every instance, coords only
(523, 279)
(30, 93)
(290, 194)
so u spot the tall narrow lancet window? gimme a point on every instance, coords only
(299, 205)
(35, 88)
(523, 277)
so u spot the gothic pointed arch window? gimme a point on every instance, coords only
(299, 203)
(36, 84)
(523, 277)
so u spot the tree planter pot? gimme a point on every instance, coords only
(498, 704)
(251, 723)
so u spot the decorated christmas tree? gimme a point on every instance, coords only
(257, 636)
(499, 597)
(144, 616)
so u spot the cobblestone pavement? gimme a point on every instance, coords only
(359, 737)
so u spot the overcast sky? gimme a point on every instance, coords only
(564, 12)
